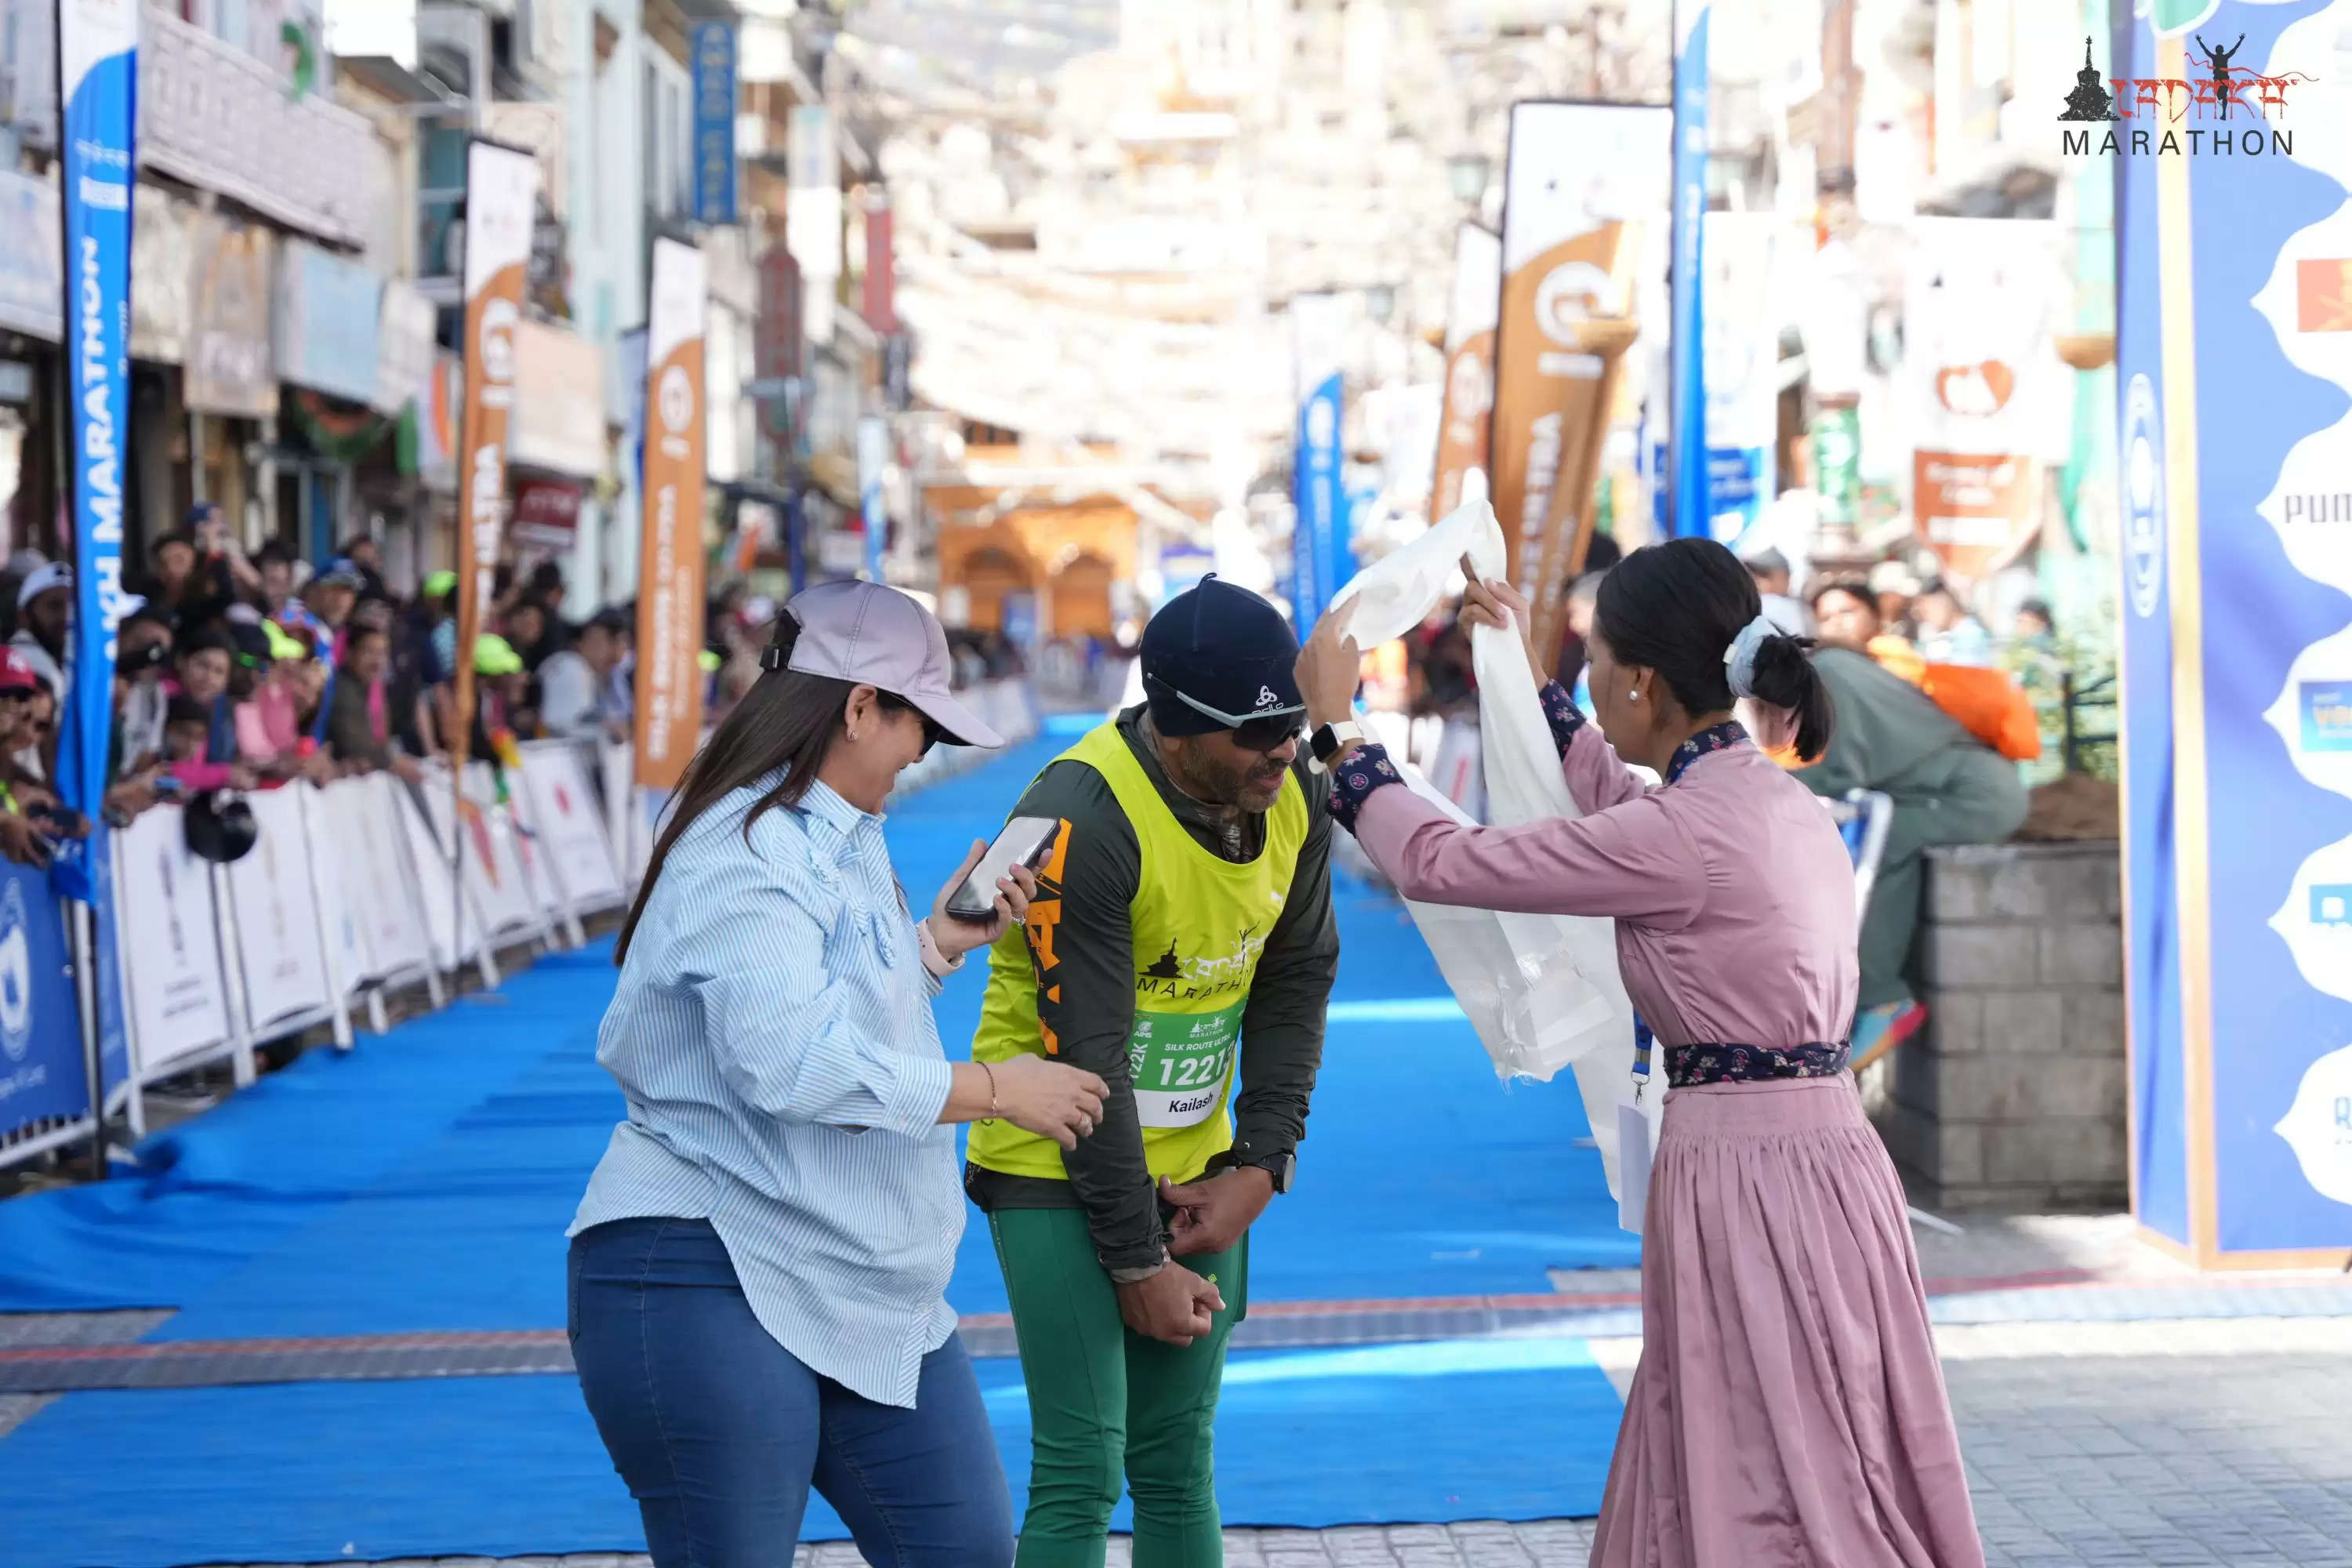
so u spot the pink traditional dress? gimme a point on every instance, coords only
(1789, 1410)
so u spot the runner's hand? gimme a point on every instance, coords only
(1499, 605)
(1064, 1103)
(1213, 1215)
(1329, 668)
(1172, 1306)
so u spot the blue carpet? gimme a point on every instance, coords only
(423, 1181)
(511, 1466)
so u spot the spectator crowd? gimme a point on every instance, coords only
(245, 670)
(250, 671)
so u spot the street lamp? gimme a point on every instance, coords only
(1467, 174)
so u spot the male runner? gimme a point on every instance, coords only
(1183, 925)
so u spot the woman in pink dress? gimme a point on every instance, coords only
(1789, 1410)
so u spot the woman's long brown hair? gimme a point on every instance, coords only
(787, 721)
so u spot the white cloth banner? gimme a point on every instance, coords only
(279, 928)
(171, 952)
(1542, 990)
(362, 819)
(562, 815)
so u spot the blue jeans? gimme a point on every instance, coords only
(720, 1431)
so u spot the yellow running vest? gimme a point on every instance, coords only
(1198, 924)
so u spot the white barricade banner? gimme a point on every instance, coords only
(363, 818)
(521, 894)
(278, 922)
(493, 871)
(429, 853)
(171, 953)
(623, 813)
(338, 895)
(562, 813)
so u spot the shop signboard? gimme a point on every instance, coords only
(559, 408)
(812, 205)
(31, 292)
(546, 514)
(163, 261)
(670, 572)
(714, 122)
(329, 311)
(776, 342)
(230, 368)
(404, 347)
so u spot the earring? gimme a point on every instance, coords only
(1633, 697)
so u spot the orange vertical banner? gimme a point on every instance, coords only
(669, 582)
(501, 197)
(1579, 176)
(1463, 427)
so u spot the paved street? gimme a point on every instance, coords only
(2164, 1442)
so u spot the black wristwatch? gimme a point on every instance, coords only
(1325, 742)
(1282, 1167)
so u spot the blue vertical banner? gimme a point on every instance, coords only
(42, 1075)
(1693, 511)
(97, 43)
(714, 122)
(873, 457)
(1319, 533)
(2234, 317)
(113, 1030)
(1316, 538)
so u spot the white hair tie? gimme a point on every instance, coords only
(1740, 659)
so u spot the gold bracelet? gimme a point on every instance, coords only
(993, 1112)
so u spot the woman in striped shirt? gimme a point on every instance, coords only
(759, 1270)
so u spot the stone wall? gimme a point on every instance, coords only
(2013, 1097)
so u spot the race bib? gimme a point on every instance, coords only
(1180, 1062)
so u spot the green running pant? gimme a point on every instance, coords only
(1105, 1402)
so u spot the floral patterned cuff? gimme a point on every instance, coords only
(1562, 714)
(1366, 769)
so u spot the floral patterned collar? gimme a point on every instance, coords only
(1714, 738)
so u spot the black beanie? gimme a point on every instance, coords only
(1225, 648)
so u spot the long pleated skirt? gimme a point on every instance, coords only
(1787, 1411)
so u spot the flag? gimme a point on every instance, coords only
(1691, 513)
(670, 572)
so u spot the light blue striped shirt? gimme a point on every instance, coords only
(773, 1031)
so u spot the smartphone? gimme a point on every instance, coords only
(1026, 841)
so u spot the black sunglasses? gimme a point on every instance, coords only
(1254, 732)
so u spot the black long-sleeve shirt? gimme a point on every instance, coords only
(1087, 996)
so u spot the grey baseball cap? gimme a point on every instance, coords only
(874, 636)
